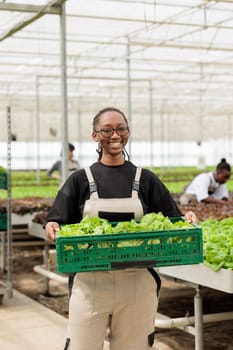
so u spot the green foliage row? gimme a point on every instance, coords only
(29, 184)
(26, 184)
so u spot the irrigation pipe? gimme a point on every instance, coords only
(190, 320)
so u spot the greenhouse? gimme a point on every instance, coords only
(140, 93)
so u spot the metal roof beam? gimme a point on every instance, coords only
(31, 19)
(153, 22)
(107, 58)
(180, 46)
(28, 8)
(93, 78)
(229, 1)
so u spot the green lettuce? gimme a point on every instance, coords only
(218, 243)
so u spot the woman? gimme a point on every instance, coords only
(114, 189)
(209, 187)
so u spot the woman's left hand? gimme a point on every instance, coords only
(191, 217)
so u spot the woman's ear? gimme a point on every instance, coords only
(95, 136)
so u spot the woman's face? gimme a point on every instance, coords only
(112, 141)
(222, 176)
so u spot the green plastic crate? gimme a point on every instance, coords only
(3, 180)
(102, 252)
(3, 222)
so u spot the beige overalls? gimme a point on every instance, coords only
(129, 296)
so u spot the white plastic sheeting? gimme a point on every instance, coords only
(180, 55)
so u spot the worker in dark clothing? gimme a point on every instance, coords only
(115, 189)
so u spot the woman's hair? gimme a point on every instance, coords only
(223, 165)
(96, 121)
(107, 109)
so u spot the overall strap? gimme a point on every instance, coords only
(93, 187)
(92, 184)
(136, 183)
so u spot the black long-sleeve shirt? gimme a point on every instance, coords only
(112, 182)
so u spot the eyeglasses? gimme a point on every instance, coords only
(108, 132)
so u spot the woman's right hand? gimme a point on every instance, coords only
(50, 230)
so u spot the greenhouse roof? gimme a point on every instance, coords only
(176, 54)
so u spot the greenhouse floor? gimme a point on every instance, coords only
(27, 325)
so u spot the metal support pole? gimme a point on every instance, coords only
(37, 130)
(79, 134)
(45, 260)
(200, 130)
(162, 135)
(151, 124)
(64, 115)
(198, 320)
(9, 207)
(3, 251)
(229, 136)
(129, 89)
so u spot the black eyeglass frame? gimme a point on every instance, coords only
(121, 131)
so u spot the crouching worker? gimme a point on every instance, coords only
(209, 187)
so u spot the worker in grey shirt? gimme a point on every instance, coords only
(56, 170)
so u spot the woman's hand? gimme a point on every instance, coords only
(50, 230)
(191, 217)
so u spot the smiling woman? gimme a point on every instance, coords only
(112, 135)
(117, 190)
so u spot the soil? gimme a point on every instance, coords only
(40, 206)
(176, 300)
